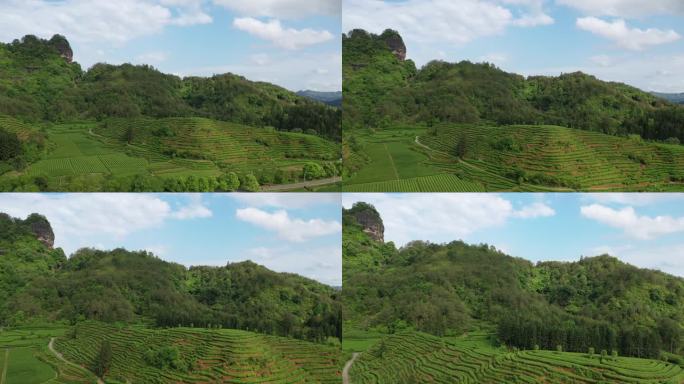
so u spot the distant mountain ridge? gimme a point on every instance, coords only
(330, 98)
(677, 98)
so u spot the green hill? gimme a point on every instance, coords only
(471, 359)
(455, 289)
(41, 285)
(241, 323)
(389, 102)
(43, 92)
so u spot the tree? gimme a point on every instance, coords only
(104, 359)
(462, 146)
(249, 183)
(130, 134)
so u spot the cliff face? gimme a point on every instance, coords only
(368, 217)
(61, 44)
(41, 227)
(395, 43)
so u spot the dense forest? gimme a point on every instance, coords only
(448, 289)
(381, 89)
(39, 283)
(39, 82)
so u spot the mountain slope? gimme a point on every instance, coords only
(41, 284)
(383, 89)
(38, 82)
(447, 289)
(330, 98)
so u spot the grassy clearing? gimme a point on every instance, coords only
(411, 357)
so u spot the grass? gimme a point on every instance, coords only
(513, 158)
(410, 356)
(212, 355)
(24, 368)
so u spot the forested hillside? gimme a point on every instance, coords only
(37, 83)
(448, 289)
(382, 89)
(39, 283)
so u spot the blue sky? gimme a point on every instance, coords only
(642, 229)
(639, 42)
(292, 43)
(291, 232)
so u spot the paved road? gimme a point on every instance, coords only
(59, 356)
(310, 183)
(347, 367)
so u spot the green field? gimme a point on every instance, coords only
(510, 158)
(97, 154)
(26, 359)
(414, 357)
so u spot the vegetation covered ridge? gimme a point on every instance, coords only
(454, 288)
(39, 284)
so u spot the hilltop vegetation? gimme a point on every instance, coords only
(389, 103)
(450, 289)
(43, 95)
(40, 284)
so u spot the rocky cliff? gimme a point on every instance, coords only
(369, 219)
(61, 44)
(395, 43)
(41, 227)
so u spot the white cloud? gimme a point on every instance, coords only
(96, 21)
(626, 8)
(77, 218)
(426, 25)
(534, 210)
(195, 209)
(602, 60)
(633, 225)
(282, 8)
(154, 57)
(629, 38)
(287, 228)
(635, 199)
(443, 217)
(286, 200)
(288, 38)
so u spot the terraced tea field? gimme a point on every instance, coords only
(413, 357)
(210, 355)
(167, 148)
(513, 158)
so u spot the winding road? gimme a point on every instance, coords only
(59, 356)
(347, 367)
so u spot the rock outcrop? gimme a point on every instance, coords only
(61, 44)
(395, 43)
(369, 219)
(41, 227)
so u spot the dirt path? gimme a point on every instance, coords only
(394, 167)
(59, 356)
(310, 183)
(4, 368)
(347, 367)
